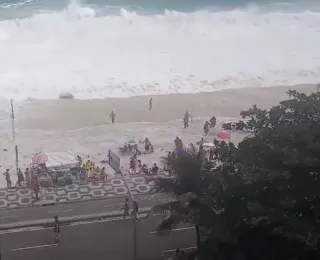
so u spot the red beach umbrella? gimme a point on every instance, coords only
(39, 158)
(224, 135)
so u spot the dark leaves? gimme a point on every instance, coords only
(263, 196)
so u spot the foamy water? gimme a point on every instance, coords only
(95, 56)
(97, 141)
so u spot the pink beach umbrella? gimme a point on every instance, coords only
(224, 135)
(39, 158)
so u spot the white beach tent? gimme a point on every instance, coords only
(58, 159)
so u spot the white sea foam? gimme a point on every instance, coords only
(92, 56)
(7, 5)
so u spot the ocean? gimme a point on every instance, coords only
(123, 48)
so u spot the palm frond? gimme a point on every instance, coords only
(188, 175)
(168, 186)
(171, 222)
(168, 206)
(182, 205)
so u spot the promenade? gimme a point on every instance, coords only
(113, 187)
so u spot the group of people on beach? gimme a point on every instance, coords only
(97, 174)
(94, 173)
(131, 147)
(30, 177)
(187, 119)
(136, 167)
(209, 124)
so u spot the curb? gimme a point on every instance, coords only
(65, 221)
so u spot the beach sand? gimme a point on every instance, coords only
(74, 114)
(83, 126)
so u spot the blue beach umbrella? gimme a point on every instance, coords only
(132, 142)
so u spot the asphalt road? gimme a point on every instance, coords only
(104, 240)
(78, 208)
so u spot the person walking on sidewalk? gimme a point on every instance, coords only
(56, 229)
(135, 211)
(126, 208)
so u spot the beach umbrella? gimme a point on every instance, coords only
(39, 158)
(224, 135)
(132, 142)
(208, 144)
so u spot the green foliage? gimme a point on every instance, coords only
(282, 161)
(262, 201)
(189, 185)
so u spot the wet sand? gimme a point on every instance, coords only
(63, 115)
(84, 127)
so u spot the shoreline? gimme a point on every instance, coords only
(72, 114)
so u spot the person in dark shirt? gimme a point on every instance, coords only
(155, 169)
(36, 186)
(79, 158)
(136, 209)
(179, 146)
(20, 177)
(147, 145)
(8, 178)
(206, 127)
(213, 122)
(112, 116)
(56, 229)
(176, 254)
(126, 208)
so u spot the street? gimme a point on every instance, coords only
(78, 208)
(96, 240)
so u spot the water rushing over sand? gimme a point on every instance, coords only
(83, 126)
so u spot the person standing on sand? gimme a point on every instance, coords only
(150, 104)
(112, 116)
(186, 119)
(8, 178)
(206, 127)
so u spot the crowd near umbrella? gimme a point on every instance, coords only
(39, 158)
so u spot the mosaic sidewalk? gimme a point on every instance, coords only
(12, 198)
